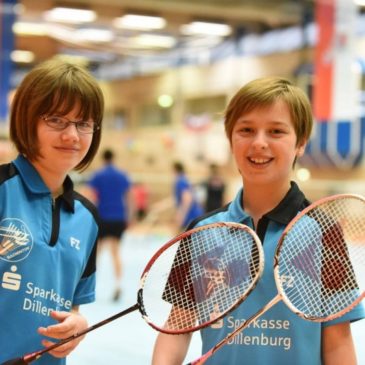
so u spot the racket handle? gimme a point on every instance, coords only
(17, 361)
(202, 359)
(27, 359)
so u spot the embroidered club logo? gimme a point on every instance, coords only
(16, 241)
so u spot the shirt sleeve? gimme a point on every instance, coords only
(85, 291)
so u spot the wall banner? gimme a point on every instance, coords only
(7, 19)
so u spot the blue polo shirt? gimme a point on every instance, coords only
(279, 336)
(195, 210)
(111, 186)
(47, 257)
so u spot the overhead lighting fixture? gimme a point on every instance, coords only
(29, 28)
(139, 22)
(206, 28)
(153, 41)
(359, 2)
(69, 15)
(20, 56)
(203, 41)
(96, 35)
(165, 101)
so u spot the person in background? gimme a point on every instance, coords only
(140, 199)
(48, 231)
(214, 188)
(268, 123)
(187, 206)
(112, 191)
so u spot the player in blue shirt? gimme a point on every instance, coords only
(268, 123)
(48, 231)
(186, 203)
(112, 193)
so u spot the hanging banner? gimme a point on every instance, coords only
(7, 19)
(337, 145)
(338, 139)
(336, 82)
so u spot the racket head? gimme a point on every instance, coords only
(319, 263)
(199, 276)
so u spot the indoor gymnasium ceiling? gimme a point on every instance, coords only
(241, 15)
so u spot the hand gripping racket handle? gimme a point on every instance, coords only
(27, 359)
(202, 359)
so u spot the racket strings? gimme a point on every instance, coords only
(227, 277)
(201, 277)
(323, 254)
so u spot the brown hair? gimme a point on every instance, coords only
(265, 91)
(54, 86)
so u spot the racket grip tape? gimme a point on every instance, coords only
(202, 359)
(17, 361)
(25, 360)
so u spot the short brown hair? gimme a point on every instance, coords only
(54, 86)
(265, 91)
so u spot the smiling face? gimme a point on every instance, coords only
(61, 150)
(264, 145)
(55, 87)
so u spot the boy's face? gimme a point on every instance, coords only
(264, 145)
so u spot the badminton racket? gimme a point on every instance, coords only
(191, 282)
(319, 263)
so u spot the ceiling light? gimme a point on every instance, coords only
(94, 35)
(207, 28)
(139, 22)
(359, 2)
(203, 41)
(69, 15)
(29, 28)
(152, 40)
(20, 56)
(165, 101)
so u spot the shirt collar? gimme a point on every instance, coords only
(68, 194)
(34, 182)
(283, 213)
(293, 202)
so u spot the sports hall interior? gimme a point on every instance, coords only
(165, 102)
(165, 91)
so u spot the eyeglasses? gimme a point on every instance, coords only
(61, 123)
